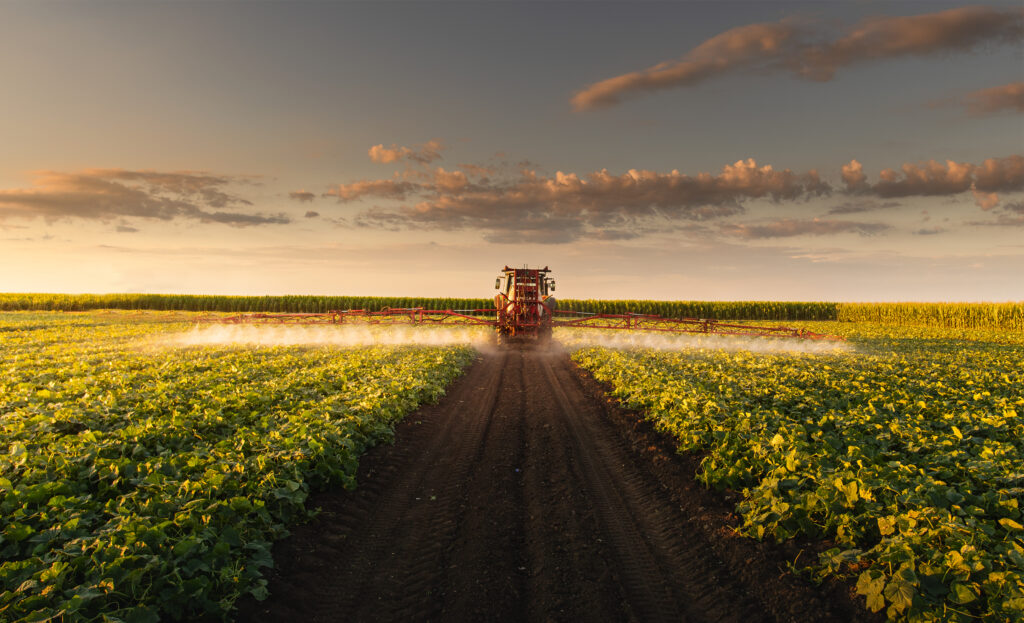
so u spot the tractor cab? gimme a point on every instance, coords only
(525, 283)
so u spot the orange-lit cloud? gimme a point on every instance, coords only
(450, 181)
(423, 154)
(932, 178)
(794, 46)
(954, 30)
(525, 205)
(985, 201)
(105, 194)
(1005, 97)
(599, 204)
(928, 179)
(388, 189)
(1000, 174)
(853, 174)
(722, 53)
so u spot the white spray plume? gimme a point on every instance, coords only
(581, 338)
(347, 336)
(351, 336)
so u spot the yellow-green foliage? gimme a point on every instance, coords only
(946, 315)
(905, 455)
(191, 302)
(145, 483)
(723, 310)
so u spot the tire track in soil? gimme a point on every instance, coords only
(392, 566)
(517, 498)
(666, 579)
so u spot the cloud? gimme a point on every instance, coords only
(953, 30)
(450, 181)
(388, 189)
(1009, 215)
(785, 228)
(126, 229)
(996, 99)
(476, 170)
(528, 206)
(925, 179)
(933, 178)
(996, 174)
(311, 214)
(243, 220)
(795, 46)
(106, 194)
(929, 231)
(853, 174)
(861, 205)
(985, 201)
(566, 206)
(423, 154)
(728, 51)
(302, 196)
(1015, 208)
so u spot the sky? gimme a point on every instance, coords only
(840, 151)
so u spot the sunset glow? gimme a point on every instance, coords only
(841, 151)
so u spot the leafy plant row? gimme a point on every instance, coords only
(946, 315)
(140, 483)
(905, 457)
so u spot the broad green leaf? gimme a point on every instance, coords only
(962, 593)
(870, 583)
(901, 588)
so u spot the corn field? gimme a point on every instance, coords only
(946, 315)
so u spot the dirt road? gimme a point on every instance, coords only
(525, 496)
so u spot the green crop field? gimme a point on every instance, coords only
(141, 480)
(904, 456)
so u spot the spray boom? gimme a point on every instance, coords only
(525, 310)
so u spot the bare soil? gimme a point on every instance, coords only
(526, 495)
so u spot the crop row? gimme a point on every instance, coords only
(946, 315)
(906, 454)
(141, 481)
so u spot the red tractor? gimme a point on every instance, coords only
(525, 307)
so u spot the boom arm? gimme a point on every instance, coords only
(489, 317)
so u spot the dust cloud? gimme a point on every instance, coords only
(582, 338)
